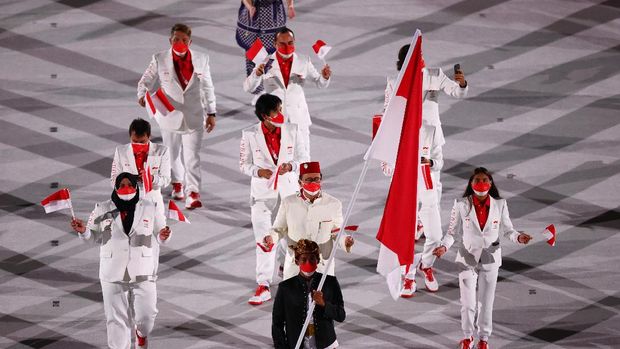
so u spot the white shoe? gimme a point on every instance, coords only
(193, 201)
(429, 278)
(141, 342)
(409, 288)
(261, 295)
(177, 191)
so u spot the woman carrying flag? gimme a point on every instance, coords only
(476, 223)
(127, 228)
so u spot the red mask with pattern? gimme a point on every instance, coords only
(481, 188)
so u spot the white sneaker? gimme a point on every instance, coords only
(193, 201)
(429, 278)
(261, 295)
(141, 342)
(177, 191)
(409, 288)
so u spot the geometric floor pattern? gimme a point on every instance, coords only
(542, 114)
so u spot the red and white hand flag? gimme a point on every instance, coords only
(58, 201)
(321, 49)
(257, 52)
(397, 143)
(549, 234)
(175, 214)
(158, 104)
(426, 174)
(147, 179)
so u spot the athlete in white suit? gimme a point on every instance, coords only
(434, 80)
(476, 224)
(286, 78)
(310, 214)
(185, 78)
(267, 148)
(128, 229)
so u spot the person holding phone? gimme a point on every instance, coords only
(477, 222)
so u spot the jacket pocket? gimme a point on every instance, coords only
(147, 252)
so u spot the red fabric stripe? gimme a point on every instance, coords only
(426, 173)
(150, 103)
(62, 194)
(254, 49)
(163, 99)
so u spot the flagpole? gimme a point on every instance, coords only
(333, 252)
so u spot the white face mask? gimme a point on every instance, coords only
(126, 193)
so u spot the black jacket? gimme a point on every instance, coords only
(291, 306)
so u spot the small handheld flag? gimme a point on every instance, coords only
(321, 49)
(257, 52)
(549, 234)
(58, 201)
(147, 179)
(175, 214)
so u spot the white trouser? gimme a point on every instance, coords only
(263, 214)
(482, 302)
(117, 301)
(431, 219)
(185, 169)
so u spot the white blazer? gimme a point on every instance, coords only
(294, 106)
(135, 253)
(254, 155)
(434, 80)
(477, 245)
(198, 98)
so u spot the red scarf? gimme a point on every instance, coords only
(273, 141)
(183, 67)
(285, 68)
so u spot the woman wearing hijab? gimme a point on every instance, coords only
(477, 221)
(128, 229)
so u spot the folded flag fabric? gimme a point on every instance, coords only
(426, 174)
(57, 201)
(549, 234)
(175, 214)
(147, 179)
(257, 52)
(321, 49)
(158, 103)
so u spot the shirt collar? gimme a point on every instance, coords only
(277, 131)
(282, 59)
(486, 203)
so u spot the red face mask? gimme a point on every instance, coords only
(312, 188)
(308, 267)
(126, 193)
(277, 120)
(481, 188)
(140, 147)
(286, 50)
(180, 48)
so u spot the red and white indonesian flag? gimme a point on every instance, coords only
(397, 144)
(158, 104)
(147, 180)
(549, 234)
(321, 49)
(175, 214)
(257, 52)
(57, 201)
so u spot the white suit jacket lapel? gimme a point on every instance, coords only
(262, 144)
(171, 70)
(131, 159)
